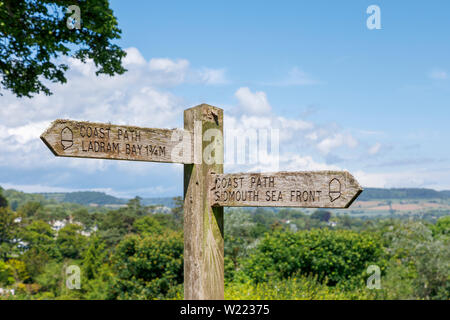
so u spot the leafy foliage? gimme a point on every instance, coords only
(133, 252)
(6, 274)
(302, 288)
(3, 200)
(71, 242)
(238, 235)
(332, 256)
(148, 225)
(94, 258)
(35, 33)
(147, 267)
(442, 227)
(9, 228)
(425, 259)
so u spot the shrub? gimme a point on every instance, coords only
(301, 288)
(148, 266)
(332, 256)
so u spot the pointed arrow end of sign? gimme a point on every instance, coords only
(354, 184)
(46, 137)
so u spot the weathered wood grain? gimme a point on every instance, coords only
(203, 224)
(67, 138)
(313, 189)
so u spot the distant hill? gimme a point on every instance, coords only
(84, 197)
(101, 198)
(16, 198)
(165, 201)
(402, 194)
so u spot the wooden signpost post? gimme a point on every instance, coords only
(206, 189)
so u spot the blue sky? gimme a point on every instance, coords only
(374, 102)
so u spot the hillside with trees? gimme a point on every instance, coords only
(101, 198)
(134, 252)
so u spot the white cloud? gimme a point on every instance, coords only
(212, 76)
(298, 141)
(292, 143)
(138, 97)
(289, 129)
(289, 162)
(26, 133)
(294, 124)
(36, 188)
(437, 74)
(312, 136)
(168, 65)
(307, 163)
(133, 57)
(372, 180)
(375, 149)
(417, 178)
(166, 71)
(252, 103)
(335, 141)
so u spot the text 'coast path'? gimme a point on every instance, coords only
(79, 139)
(309, 189)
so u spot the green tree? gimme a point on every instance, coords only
(424, 259)
(238, 234)
(97, 288)
(6, 274)
(442, 226)
(40, 236)
(3, 200)
(332, 255)
(93, 259)
(19, 270)
(37, 32)
(148, 225)
(40, 243)
(51, 278)
(83, 216)
(9, 227)
(30, 209)
(135, 206)
(148, 267)
(167, 221)
(70, 241)
(114, 225)
(177, 211)
(321, 215)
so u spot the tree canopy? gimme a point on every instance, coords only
(35, 33)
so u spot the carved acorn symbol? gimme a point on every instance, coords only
(334, 189)
(66, 138)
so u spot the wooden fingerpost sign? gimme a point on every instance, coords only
(207, 189)
(313, 189)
